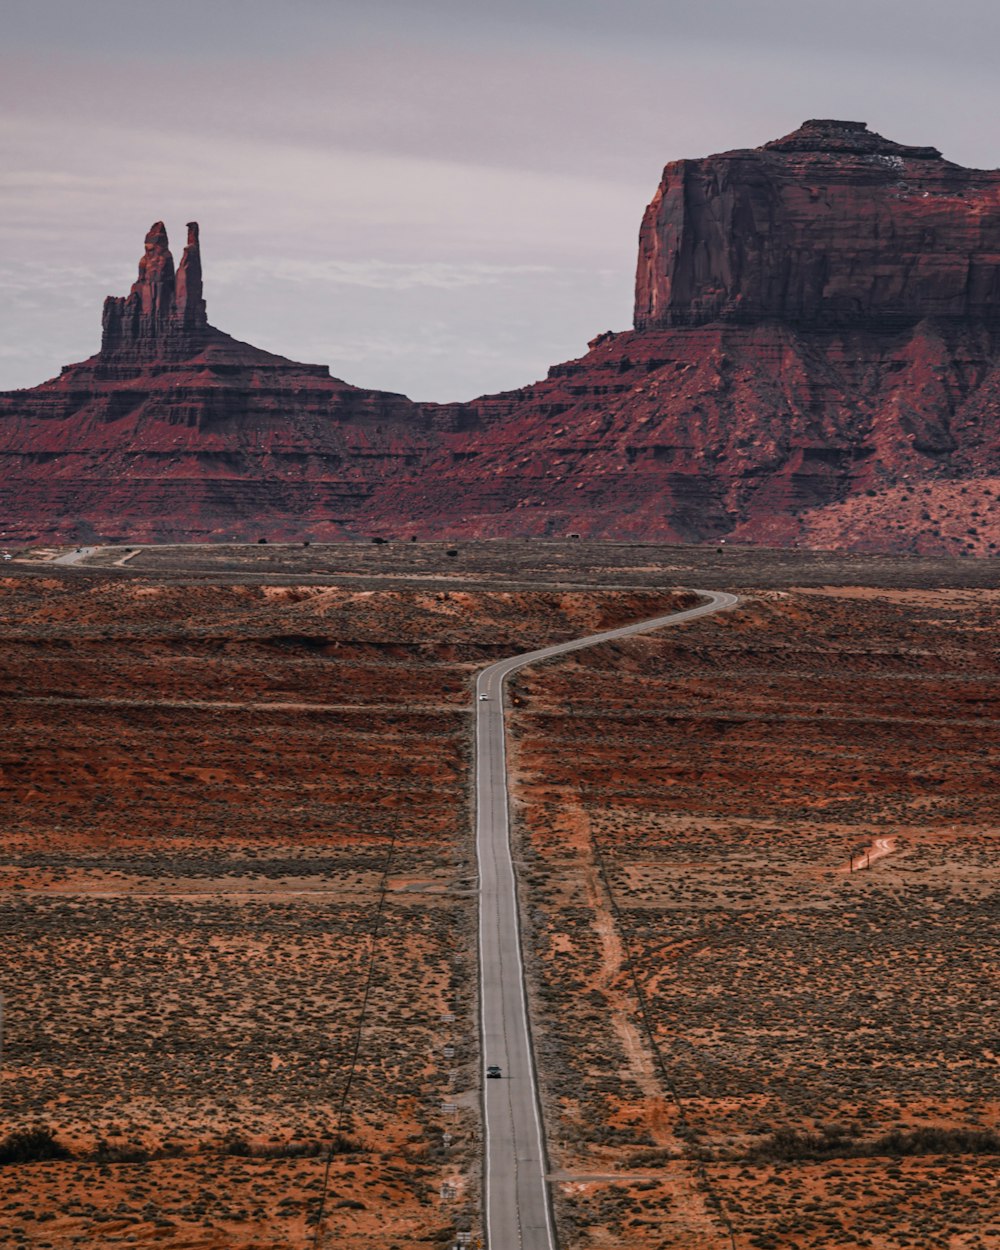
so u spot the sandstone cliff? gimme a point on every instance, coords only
(176, 430)
(831, 225)
(749, 433)
(815, 360)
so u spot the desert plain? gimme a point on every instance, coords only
(757, 871)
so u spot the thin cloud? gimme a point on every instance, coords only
(377, 275)
(377, 167)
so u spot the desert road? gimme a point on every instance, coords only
(74, 557)
(516, 1204)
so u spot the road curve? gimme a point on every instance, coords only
(517, 1210)
(74, 557)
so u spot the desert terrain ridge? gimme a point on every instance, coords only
(238, 891)
(814, 360)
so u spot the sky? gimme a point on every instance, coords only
(439, 197)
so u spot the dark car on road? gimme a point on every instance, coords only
(493, 1072)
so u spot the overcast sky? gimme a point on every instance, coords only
(440, 197)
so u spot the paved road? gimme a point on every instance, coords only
(518, 1214)
(74, 557)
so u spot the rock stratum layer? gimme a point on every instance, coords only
(831, 225)
(815, 360)
(175, 430)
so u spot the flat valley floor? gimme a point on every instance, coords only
(757, 869)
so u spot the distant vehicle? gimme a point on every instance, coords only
(484, 696)
(493, 1073)
(7, 556)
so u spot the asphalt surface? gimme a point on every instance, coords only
(74, 557)
(516, 1201)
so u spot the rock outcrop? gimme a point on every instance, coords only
(830, 226)
(176, 430)
(744, 433)
(163, 317)
(815, 361)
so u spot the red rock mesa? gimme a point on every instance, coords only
(814, 360)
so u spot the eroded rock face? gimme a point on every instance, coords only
(163, 316)
(831, 225)
(816, 360)
(177, 430)
(753, 433)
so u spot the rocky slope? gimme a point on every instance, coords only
(759, 434)
(176, 431)
(815, 360)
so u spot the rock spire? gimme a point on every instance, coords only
(163, 316)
